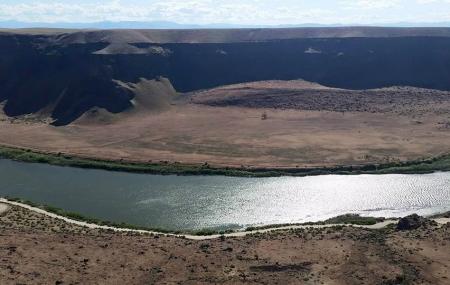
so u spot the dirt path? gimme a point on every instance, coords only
(194, 237)
(3, 208)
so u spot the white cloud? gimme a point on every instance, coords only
(432, 1)
(370, 4)
(189, 11)
(230, 11)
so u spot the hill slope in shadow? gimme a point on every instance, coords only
(69, 73)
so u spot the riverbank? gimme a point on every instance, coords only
(429, 165)
(90, 223)
(39, 249)
(201, 235)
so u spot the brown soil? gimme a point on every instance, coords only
(40, 250)
(263, 124)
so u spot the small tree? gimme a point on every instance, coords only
(264, 116)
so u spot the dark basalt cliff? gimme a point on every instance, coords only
(68, 74)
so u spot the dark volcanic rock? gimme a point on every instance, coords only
(413, 222)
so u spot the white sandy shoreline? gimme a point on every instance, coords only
(4, 207)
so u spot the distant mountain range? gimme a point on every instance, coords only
(173, 25)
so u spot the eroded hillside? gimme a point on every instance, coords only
(66, 74)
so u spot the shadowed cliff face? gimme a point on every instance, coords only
(67, 79)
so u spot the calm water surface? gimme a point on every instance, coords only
(196, 202)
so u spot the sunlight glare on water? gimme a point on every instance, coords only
(196, 202)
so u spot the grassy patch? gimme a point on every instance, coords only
(24, 155)
(442, 215)
(209, 232)
(352, 219)
(347, 219)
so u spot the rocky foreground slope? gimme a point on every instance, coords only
(63, 74)
(40, 250)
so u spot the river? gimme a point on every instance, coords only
(218, 202)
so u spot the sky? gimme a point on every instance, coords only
(244, 12)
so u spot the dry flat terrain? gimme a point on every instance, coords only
(36, 249)
(260, 124)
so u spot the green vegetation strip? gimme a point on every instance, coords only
(441, 163)
(442, 215)
(347, 219)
